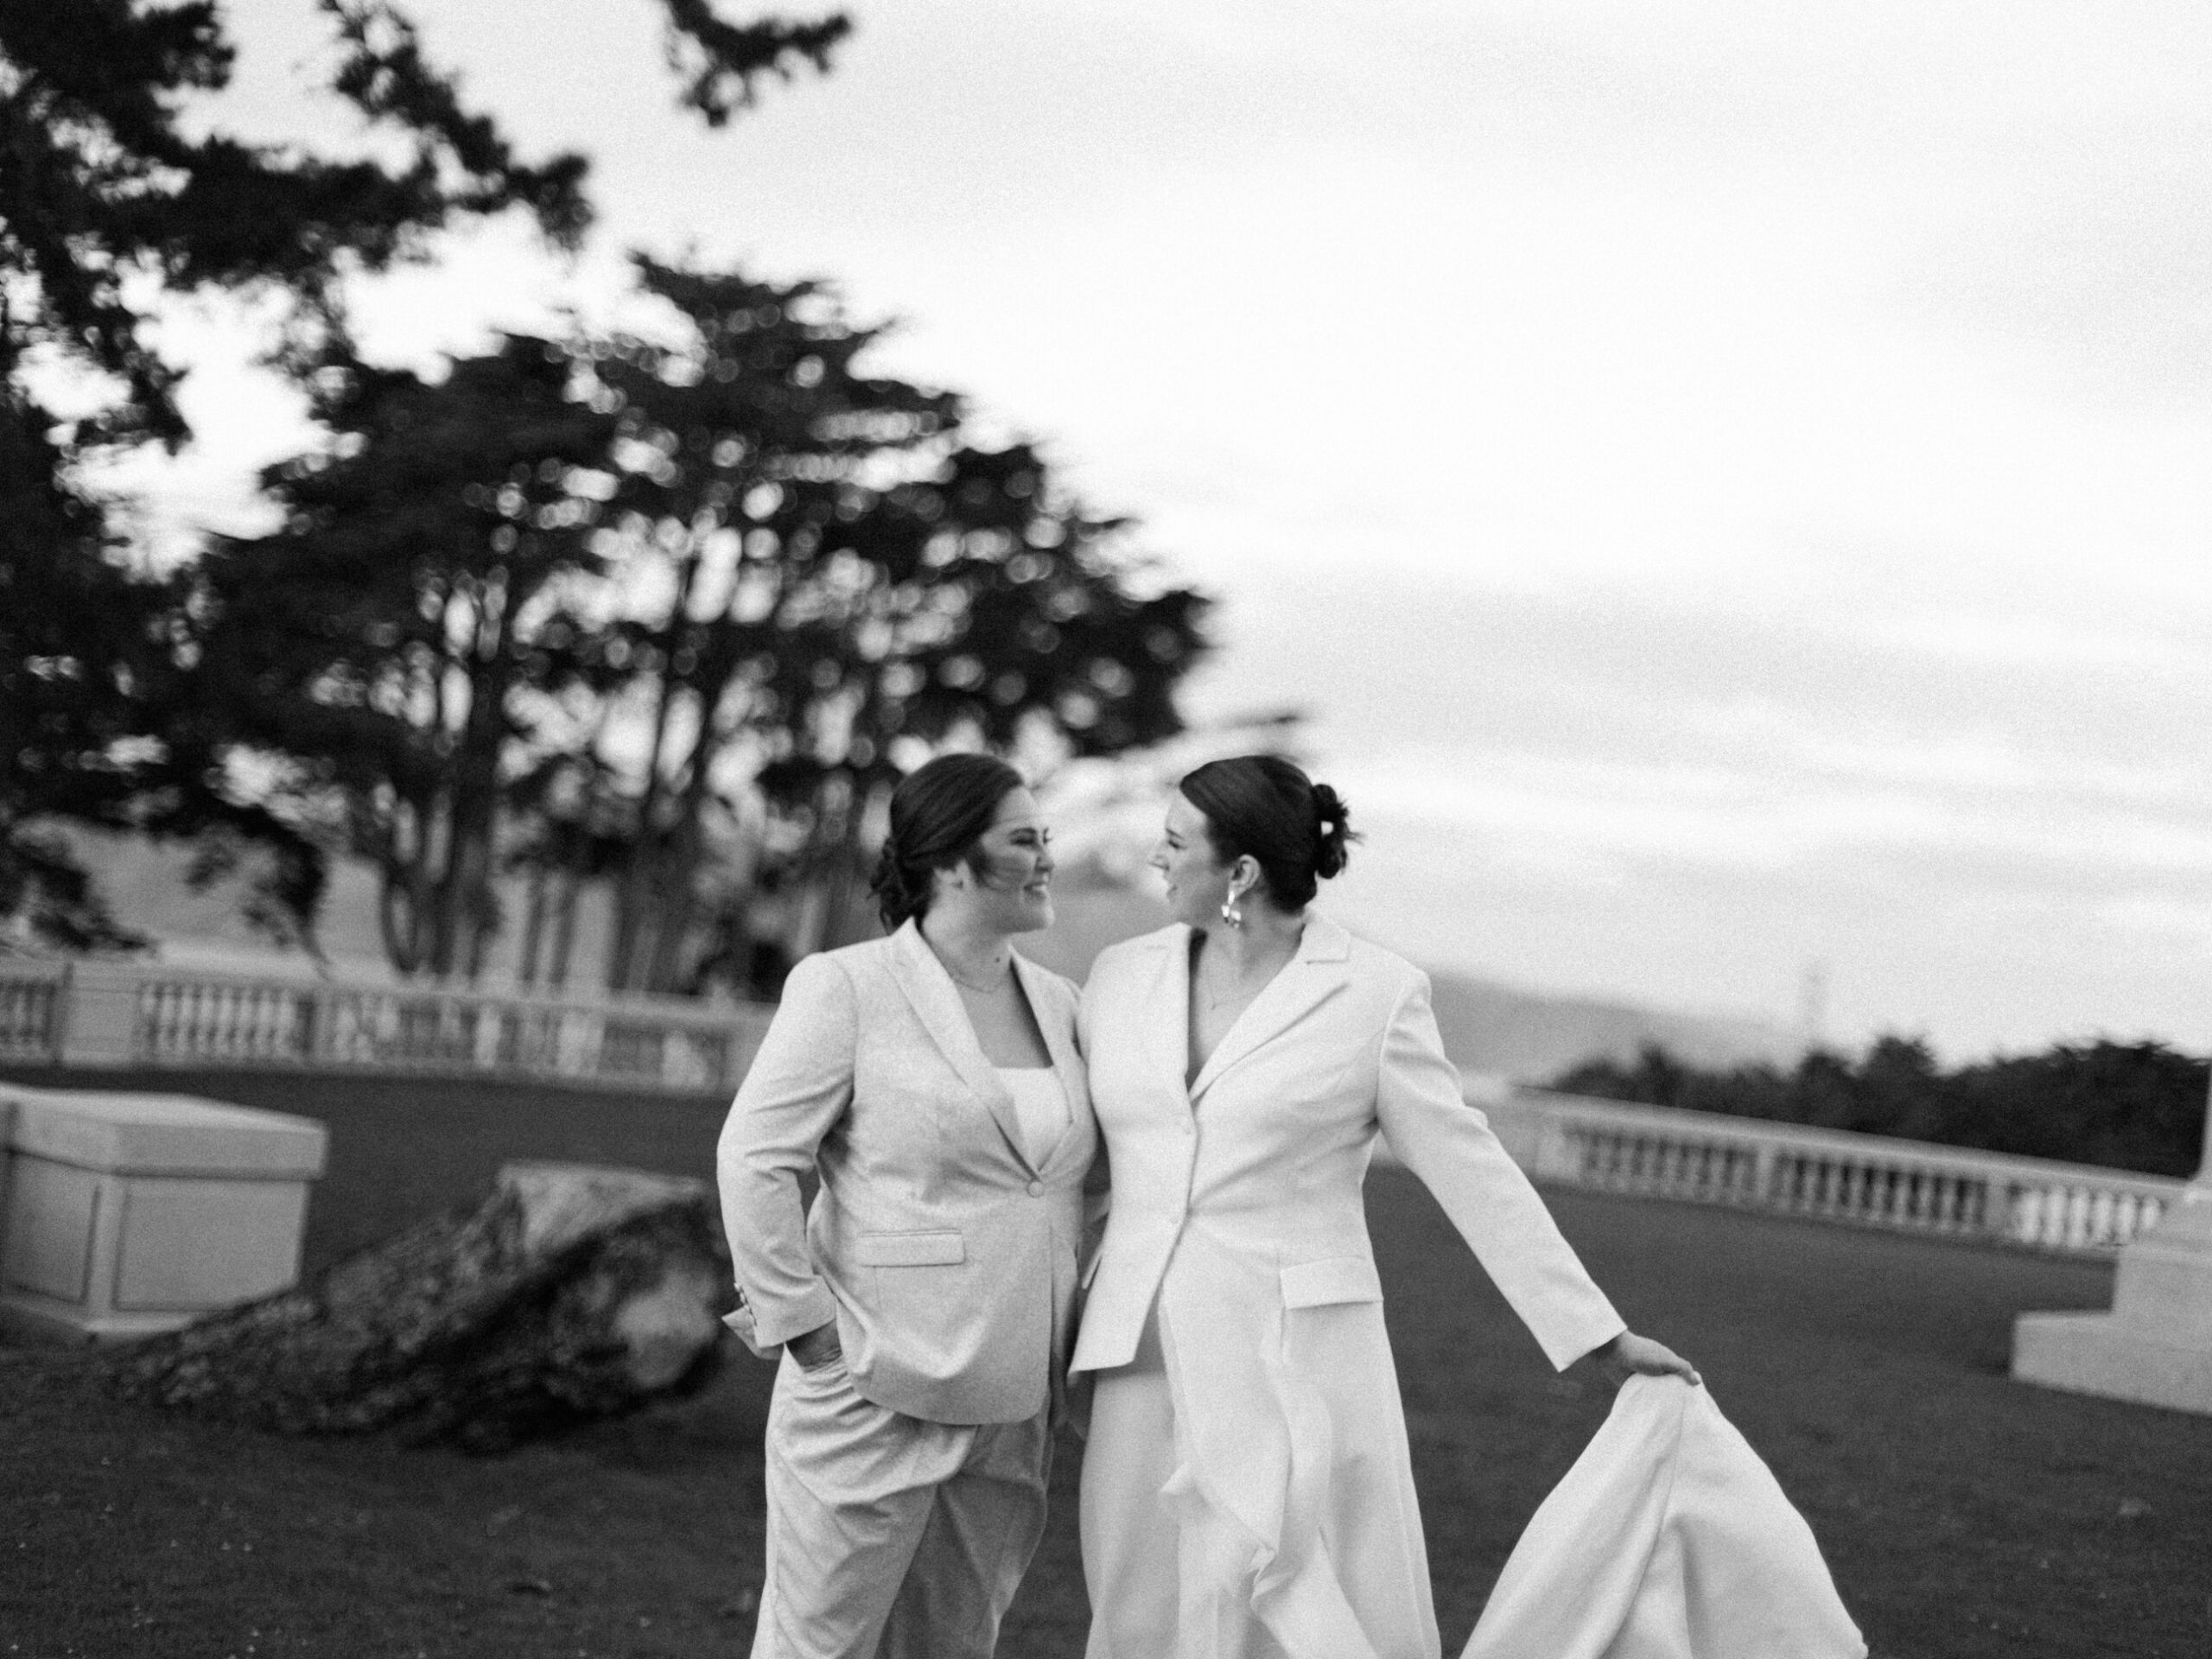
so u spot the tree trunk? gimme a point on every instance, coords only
(467, 896)
(821, 876)
(533, 926)
(564, 929)
(624, 959)
(848, 916)
(572, 1293)
(679, 896)
(399, 918)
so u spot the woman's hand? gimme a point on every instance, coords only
(1629, 1355)
(817, 1347)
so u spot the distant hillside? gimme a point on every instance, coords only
(1534, 1036)
(1487, 1025)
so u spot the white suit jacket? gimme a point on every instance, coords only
(1266, 1151)
(1669, 1539)
(947, 1258)
(1238, 1214)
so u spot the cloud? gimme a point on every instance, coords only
(1727, 478)
(1983, 837)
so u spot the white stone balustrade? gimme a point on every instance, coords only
(32, 997)
(122, 1215)
(1869, 1180)
(120, 1013)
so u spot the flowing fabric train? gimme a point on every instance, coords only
(1668, 1539)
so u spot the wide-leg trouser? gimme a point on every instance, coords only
(889, 1535)
(1168, 1579)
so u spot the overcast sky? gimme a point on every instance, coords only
(1731, 482)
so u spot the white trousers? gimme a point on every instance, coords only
(889, 1535)
(1167, 1580)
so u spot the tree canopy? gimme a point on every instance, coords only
(392, 642)
(840, 568)
(119, 190)
(668, 609)
(114, 198)
(2138, 1106)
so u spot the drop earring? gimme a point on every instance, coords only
(1230, 912)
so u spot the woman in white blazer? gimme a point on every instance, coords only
(923, 1306)
(1247, 1490)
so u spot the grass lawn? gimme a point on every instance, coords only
(1963, 1515)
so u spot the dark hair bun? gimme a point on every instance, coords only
(938, 814)
(1332, 831)
(1263, 807)
(897, 895)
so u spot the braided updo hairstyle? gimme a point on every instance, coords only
(1297, 831)
(938, 815)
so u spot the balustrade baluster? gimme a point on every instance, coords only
(2025, 1221)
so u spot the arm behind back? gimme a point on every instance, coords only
(800, 1084)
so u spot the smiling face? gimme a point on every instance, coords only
(1013, 891)
(1198, 881)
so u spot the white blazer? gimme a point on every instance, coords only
(947, 1258)
(1238, 1213)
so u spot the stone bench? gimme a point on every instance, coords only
(123, 1214)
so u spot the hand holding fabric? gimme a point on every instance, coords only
(1629, 1355)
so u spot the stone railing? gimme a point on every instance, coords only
(31, 999)
(1869, 1180)
(127, 1014)
(115, 1016)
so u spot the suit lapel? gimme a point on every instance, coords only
(944, 1017)
(1044, 1000)
(1168, 1012)
(1307, 981)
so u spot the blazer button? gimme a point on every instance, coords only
(1036, 1189)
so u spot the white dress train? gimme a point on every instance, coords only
(1668, 1539)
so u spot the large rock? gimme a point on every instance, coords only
(571, 1293)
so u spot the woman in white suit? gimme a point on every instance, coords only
(922, 1305)
(1247, 1491)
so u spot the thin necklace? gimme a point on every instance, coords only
(994, 985)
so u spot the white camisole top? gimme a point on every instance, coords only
(1040, 1105)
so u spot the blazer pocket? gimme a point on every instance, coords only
(1332, 1279)
(909, 1249)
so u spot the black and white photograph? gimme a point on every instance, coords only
(1092, 830)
